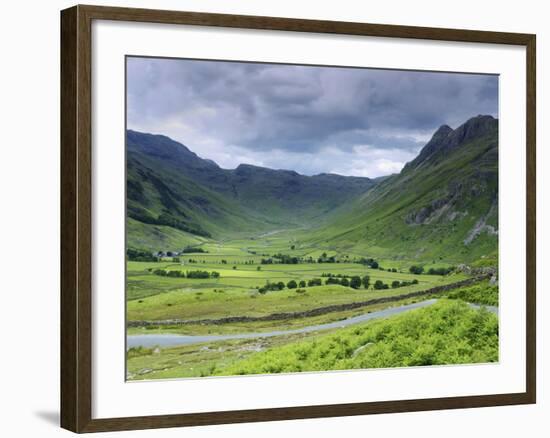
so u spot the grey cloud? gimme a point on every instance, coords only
(299, 109)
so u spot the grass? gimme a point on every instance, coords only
(152, 297)
(263, 326)
(448, 332)
(482, 293)
(238, 260)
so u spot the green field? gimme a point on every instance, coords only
(155, 298)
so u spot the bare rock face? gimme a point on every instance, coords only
(486, 270)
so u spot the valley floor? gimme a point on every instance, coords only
(233, 302)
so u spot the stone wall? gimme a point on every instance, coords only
(313, 312)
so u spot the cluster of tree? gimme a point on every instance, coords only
(137, 255)
(188, 274)
(440, 271)
(354, 282)
(416, 269)
(193, 249)
(271, 287)
(165, 273)
(292, 284)
(370, 262)
(330, 274)
(281, 258)
(379, 284)
(396, 283)
(202, 274)
(325, 259)
(315, 282)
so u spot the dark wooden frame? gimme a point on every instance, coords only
(76, 219)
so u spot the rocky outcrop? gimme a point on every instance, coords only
(481, 226)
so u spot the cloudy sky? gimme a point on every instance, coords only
(350, 121)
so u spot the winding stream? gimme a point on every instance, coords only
(171, 340)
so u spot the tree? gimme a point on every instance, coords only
(417, 270)
(355, 282)
(259, 268)
(415, 281)
(379, 284)
(374, 264)
(314, 282)
(292, 284)
(280, 285)
(302, 283)
(395, 284)
(234, 267)
(344, 282)
(366, 281)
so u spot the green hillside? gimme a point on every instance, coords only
(173, 195)
(443, 204)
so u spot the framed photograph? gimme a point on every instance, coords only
(269, 218)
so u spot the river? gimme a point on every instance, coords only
(171, 340)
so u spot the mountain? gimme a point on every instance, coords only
(168, 185)
(443, 204)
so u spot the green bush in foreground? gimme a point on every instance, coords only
(482, 293)
(448, 332)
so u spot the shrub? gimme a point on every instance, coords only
(444, 333)
(355, 282)
(137, 255)
(198, 274)
(193, 249)
(176, 274)
(332, 280)
(439, 271)
(292, 284)
(417, 270)
(314, 282)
